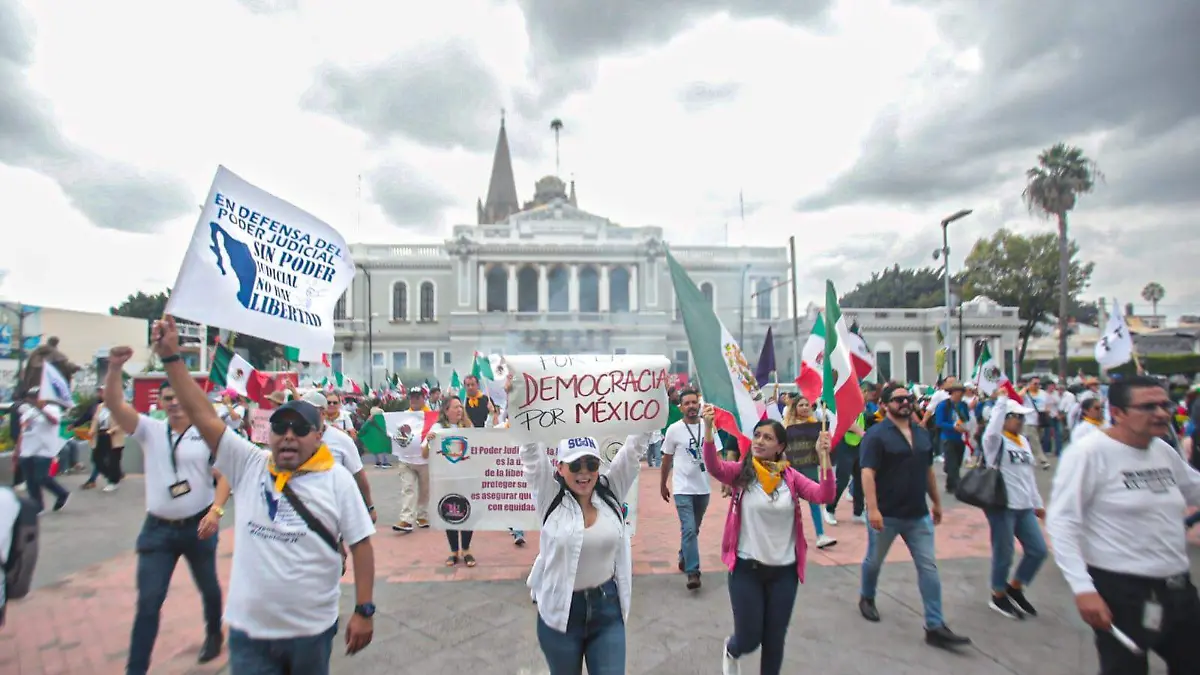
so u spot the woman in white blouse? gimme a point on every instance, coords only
(1091, 419)
(583, 573)
(1006, 449)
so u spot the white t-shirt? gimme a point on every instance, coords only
(1015, 460)
(343, 448)
(193, 462)
(344, 421)
(1120, 508)
(768, 532)
(598, 555)
(1038, 403)
(1052, 403)
(285, 581)
(226, 415)
(39, 436)
(1066, 402)
(683, 441)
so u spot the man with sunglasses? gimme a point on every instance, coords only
(897, 477)
(1114, 519)
(296, 510)
(184, 506)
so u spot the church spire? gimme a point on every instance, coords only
(502, 188)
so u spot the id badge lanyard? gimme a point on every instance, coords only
(175, 452)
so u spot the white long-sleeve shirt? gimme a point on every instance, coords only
(1121, 509)
(1015, 460)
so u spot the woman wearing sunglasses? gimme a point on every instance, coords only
(764, 543)
(1091, 419)
(582, 577)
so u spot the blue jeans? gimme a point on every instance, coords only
(654, 454)
(308, 655)
(843, 468)
(813, 473)
(691, 510)
(1052, 438)
(36, 471)
(1023, 525)
(595, 633)
(762, 598)
(159, 547)
(917, 534)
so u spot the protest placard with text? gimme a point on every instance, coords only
(260, 425)
(260, 266)
(565, 396)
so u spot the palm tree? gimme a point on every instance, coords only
(1153, 293)
(1062, 173)
(556, 125)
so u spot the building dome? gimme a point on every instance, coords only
(549, 188)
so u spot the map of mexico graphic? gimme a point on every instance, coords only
(239, 258)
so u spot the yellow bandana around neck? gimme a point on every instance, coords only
(769, 473)
(322, 460)
(1015, 438)
(1092, 421)
(473, 401)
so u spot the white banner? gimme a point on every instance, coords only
(1115, 347)
(557, 397)
(477, 482)
(260, 266)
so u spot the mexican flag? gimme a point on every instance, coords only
(456, 387)
(341, 383)
(296, 355)
(988, 376)
(481, 368)
(840, 389)
(230, 371)
(725, 378)
(814, 350)
(396, 432)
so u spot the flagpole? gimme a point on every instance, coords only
(795, 308)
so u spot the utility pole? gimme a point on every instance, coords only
(795, 308)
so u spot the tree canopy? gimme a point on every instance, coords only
(900, 287)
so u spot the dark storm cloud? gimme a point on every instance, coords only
(698, 96)
(111, 194)
(1049, 73)
(406, 198)
(443, 97)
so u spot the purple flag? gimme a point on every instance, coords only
(766, 360)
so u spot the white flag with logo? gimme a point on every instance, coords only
(53, 386)
(1115, 347)
(260, 266)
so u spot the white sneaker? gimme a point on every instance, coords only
(860, 518)
(729, 665)
(829, 519)
(111, 487)
(825, 541)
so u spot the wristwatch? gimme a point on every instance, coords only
(219, 510)
(365, 610)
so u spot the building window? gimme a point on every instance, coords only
(589, 289)
(762, 299)
(399, 361)
(975, 350)
(339, 309)
(952, 364)
(883, 365)
(425, 359)
(428, 301)
(560, 295)
(399, 301)
(447, 358)
(1009, 369)
(497, 288)
(620, 350)
(527, 289)
(618, 289)
(335, 359)
(706, 289)
(377, 360)
(681, 364)
(912, 367)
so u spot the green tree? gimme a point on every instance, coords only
(900, 287)
(1022, 272)
(1052, 187)
(1153, 293)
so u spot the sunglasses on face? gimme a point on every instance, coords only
(900, 399)
(1165, 406)
(589, 463)
(299, 427)
(167, 399)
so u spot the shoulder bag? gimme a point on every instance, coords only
(983, 486)
(315, 525)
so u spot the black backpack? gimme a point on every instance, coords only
(602, 489)
(22, 554)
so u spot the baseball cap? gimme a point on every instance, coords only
(316, 399)
(307, 411)
(1015, 408)
(571, 449)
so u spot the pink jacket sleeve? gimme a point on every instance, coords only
(813, 492)
(726, 471)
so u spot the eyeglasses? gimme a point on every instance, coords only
(335, 403)
(590, 463)
(1165, 406)
(167, 398)
(298, 426)
(900, 399)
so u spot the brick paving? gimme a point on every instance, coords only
(78, 619)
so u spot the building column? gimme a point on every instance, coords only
(512, 287)
(543, 289)
(482, 289)
(573, 289)
(633, 288)
(775, 299)
(604, 299)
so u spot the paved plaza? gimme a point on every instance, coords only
(480, 621)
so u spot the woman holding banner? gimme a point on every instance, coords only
(452, 416)
(764, 543)
(582, 577)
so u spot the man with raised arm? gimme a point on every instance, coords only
(296, 510)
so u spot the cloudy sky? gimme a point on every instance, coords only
(855, 124)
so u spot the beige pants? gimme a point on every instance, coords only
(414, 492)
(1033, 433)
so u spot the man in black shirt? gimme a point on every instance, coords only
(897, 475)
(478, 405)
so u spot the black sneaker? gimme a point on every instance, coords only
(943, 637)
(693, 581)
(212, 648)
(1003, 605)
(61, 502)
(1018, 598)
(866, 606)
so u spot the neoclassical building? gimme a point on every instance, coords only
(548, 277)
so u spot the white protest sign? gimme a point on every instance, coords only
(477, 481)
(260, 266)
(601, 396)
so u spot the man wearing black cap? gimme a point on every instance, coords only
(297, 509)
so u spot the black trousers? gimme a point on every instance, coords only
(952, 451)
(108, 459)
(1175, 641)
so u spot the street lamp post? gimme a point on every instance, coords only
(370, 329)
(945, 254)
(742, 308)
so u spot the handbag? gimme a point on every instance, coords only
(983, 486)
(315, 525)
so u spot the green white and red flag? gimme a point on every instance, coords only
(841, 391)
